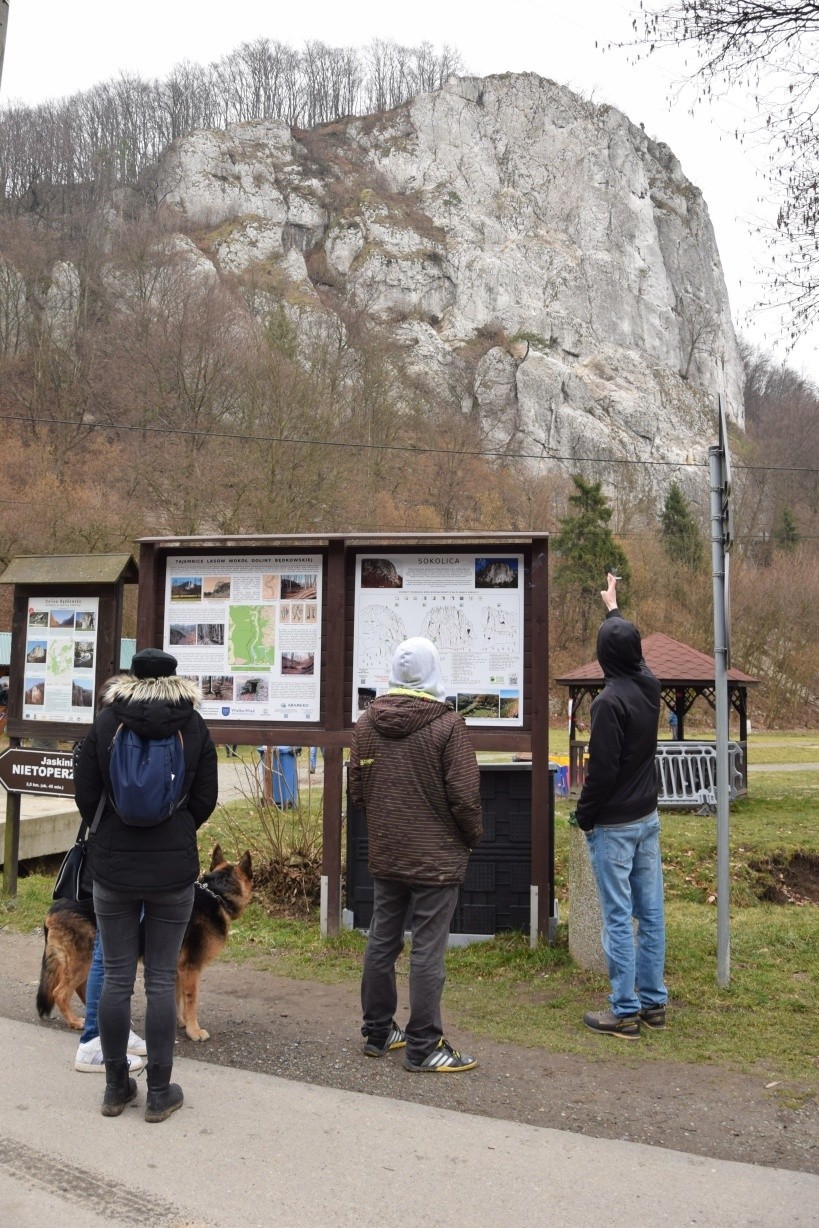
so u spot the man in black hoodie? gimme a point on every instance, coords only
(617, 810)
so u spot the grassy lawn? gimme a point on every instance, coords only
(766, 1022)
(764, 748)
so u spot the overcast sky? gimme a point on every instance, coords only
(56, 47)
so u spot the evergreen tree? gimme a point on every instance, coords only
(682, 538)
(586, 548)
(786, 534)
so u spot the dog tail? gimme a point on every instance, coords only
(45, 990)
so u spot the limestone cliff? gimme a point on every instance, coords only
(540, 258)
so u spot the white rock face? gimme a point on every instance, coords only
(546, 265)
(62, 303)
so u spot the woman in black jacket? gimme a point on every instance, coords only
(145, 870)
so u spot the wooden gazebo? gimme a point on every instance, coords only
(685, 674)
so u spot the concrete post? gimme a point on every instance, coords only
(585, 919)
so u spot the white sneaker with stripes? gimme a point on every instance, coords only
(89, 1059)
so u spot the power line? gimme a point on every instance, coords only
(763, 538)
(410, 449)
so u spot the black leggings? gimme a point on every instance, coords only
(118, 916)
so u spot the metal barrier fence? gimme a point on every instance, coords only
(687, 770)
(688, 773)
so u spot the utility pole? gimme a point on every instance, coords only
(722, 534)
(4, 17)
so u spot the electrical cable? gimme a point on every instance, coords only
(409, 449)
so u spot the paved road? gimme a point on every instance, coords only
(783, 767)
(254, 1150)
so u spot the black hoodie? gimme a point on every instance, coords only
(621, 782)
(164, 857)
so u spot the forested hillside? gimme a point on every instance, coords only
(146, 386)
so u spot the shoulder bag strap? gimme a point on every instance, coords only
(98, 814)
(86, 829)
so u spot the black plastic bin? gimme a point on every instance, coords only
(495, 895)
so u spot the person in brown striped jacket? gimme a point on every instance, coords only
(413, 769)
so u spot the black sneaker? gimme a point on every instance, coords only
(395, 1039)
(625, 1026)
(443, 1060)
(653, 1016)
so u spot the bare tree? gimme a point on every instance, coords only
(699, 328)
(107, 136)
(782, 420)
(770, 47)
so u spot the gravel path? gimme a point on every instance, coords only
(309, 1032)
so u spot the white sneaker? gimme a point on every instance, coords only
(136, 1045)
(89, 1059)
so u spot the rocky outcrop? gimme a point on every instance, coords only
(61, 307)
(542, 262)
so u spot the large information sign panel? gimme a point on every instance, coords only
(469, 605)
(60, 659)
(248, 630)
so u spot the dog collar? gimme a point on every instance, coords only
(220, 900)
(204, 887)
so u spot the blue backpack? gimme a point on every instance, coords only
(147, 775)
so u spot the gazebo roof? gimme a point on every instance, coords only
(673, 663)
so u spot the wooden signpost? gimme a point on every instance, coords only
(48, 773)
(65, 643)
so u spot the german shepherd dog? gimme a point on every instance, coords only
(220, 897)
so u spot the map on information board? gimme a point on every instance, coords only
(469, 605)
(248, 631)
(60, 659)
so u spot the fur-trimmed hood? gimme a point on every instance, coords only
(152, 707)
(127, 687)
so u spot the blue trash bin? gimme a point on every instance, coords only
(285, 783)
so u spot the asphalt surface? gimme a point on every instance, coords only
(255, 1150)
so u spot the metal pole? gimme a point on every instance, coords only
(4, 17)
(718, 562)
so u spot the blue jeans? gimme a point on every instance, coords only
(629, 875)
(93, 989)
(118, 917)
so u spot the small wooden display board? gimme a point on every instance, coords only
(65, 643)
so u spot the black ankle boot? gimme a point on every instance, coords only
(119, 1088)
(164, 1097)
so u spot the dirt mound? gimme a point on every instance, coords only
(793, 880)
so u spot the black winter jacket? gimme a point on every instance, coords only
(621, 783)
(164, 857)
